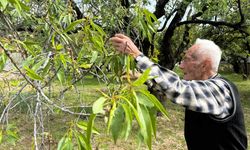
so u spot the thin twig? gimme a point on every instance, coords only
(35, 121)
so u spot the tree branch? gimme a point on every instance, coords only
(242, 17)
(235, 26)
(79, 14)
(166, 21)
(160, 8)
(125, 3)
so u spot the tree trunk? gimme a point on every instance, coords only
(166, 57)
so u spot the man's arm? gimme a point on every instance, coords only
(206, 96)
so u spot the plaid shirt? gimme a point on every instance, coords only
(210, 96)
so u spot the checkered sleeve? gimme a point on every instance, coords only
(210, 96)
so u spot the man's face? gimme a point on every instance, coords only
(191, 66)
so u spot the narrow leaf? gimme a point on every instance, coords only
(143, 78)
(60, 144)
(84, 125)
(153, 113)
(99, 29)
(61, 76)
(59, 47)
(139, 111)
(85, 66)
(155, 101)
(148, 125)
(89, 131)
(94, 56)
(81, 142)
(111, 115)
(1, 136)
(144, 100)
(73, 25)
(32, 74)
(134, 110)
(117, 123)
(63, 60)
(4, 3)
(129, 118)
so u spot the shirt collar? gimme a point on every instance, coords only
(214, 76)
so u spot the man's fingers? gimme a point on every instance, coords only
(119, 46)
(124, 44)
(122, 36)
(116, 40)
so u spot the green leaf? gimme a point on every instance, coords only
(98, 28)
(97, 43)
(16, 4)
(117, 123)
(31, 51)
(153, 114)
(134, 110)
(65, 144)
(4, 3)
(61, 76)
(81, 140)
(150, 15)
(1, 136)
(24, 7)
(148, 126)
(38, 65)
(94, 56)
(83, 125)
(4, 57)
(73, 25)
(155, 101)
(80, 54)
(59, 47)
(63, 60)
(32, 74)
(86, 66)
(143, 78)
(3, 60)
(127, 64)
(111, 115)
(98, 105)
(19, 6)
(129, 118)
(46, 68)
(53, 39)
(90, 125)
(144, 100)
(139, 111)
(89, 131)
(60, 144)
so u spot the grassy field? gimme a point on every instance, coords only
(169, 132)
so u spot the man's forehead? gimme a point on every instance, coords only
(192, 49)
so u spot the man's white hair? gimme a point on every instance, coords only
(210, 50)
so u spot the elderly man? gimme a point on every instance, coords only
(213, 117)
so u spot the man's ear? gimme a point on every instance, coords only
(207, 65)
